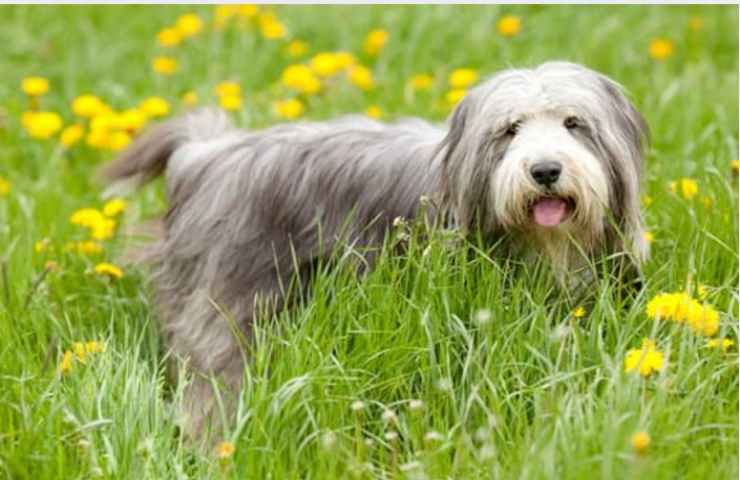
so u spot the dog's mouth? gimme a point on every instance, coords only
(551, 211)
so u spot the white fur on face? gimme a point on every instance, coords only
(542, 137)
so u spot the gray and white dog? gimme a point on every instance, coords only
(548, 158)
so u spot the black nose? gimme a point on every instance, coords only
(546, 173)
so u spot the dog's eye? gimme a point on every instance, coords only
(572, 122)
(513, 129)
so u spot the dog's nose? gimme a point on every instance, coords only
(546, 173)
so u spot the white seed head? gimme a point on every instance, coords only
(444, 384)
(357, 406)
(416, 405)
(389, 416)
(391, 436)
(328, 440)
(407, 467)
(483, 316)
(433, 436)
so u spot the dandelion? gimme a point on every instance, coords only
(416, 405)
(164, 65)
(357, 406)
(87, 106)
(482, 316)
(118, 141)
(270, 27)
(361, 77)
(296, 48)
(344, 60)
(230, 102)
(189, 24)
(647, 200)
(374, 111)
(42, 125)
(640, 442)
(131, 120)
(328, 440)
(688, 187)
(247, 10)
(65, 365)
(71, 135)
(433, 437)
(169, 37)
(421, 81)
(35, 86)
(225, 450)
(4, 187)
(375, 42)
(660, 48)
(720, 343)
(453, 97)
(391, 436)
(155, 107)
(735, 166)
(681, 308)
(646, 360)
(85, 217)
(325, 64)
(114, 207)
(190, 98)
(109, 270)
(228, 88)
(86, 247)
(649, 237)
(579, 312)
(389, 416)
(509, 26)
(300, 78)
(463, 78)
(290, 109)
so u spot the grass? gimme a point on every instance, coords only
(531, 393)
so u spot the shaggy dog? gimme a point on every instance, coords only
(547, 159)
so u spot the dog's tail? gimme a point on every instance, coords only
(147, 157)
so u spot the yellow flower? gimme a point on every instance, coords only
(421, 81)
(660, 48)
(87, 106)
(114, 207)
(270, 26)
(34, 86)
(296, 48)
(228, 88)
(640, 442)
(735, 166)
(463, 78)
(164, 65)
(646, 360)
(86, 217)
(223, 13)
(374, 111)
(509, 25)
(131, 120)
(103, 230)
(453, 97)
(300, 78)
(290, 109)
(720, 343)
(118, 140)
(230, 102)
(680, 307)
(155, 107)
(42, 124)
(71, 135)
(189, 24)
(648, 237)
(325, 64)
(689, 188)
(80, 352)
(579, 312)
(344, 60)
(169, 37)
(225, 450)
(375, 41)
(87, 247)
(109, 270)
(247, 10)
(190, 98)
(65, 366)
(361, 77)
(647, 200)
(94, 347)
(696, 23)
(4, 187)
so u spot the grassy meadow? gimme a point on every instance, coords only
(443, 362)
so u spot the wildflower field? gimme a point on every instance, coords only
(443, 362)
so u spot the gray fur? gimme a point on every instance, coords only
(251, 209)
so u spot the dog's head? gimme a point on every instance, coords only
(558, 148)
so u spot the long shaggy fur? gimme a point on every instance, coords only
(252, 210)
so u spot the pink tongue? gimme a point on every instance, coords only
(549, 212)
